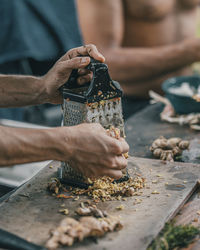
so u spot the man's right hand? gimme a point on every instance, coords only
(89, 149)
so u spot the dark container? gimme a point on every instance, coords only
(182, 104)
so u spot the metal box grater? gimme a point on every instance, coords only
(98, 102)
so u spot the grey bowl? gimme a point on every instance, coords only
(182, 104)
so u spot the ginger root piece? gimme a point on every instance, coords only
(71, 230)
(115, 133)
(157, 152)
(129, 192)
(94, 226)
(159, 143)
(113, 224)
(173, 142)
(90, 210)
(177, 151)
(54, 185)
(184, 145)
(168, 149)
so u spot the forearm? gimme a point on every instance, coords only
(19, 145)
(17, 91)
(139, 64)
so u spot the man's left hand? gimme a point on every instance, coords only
(60, 72)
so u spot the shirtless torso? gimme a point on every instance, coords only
(144, 41)
(150, 23)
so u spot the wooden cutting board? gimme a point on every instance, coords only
(31, 212)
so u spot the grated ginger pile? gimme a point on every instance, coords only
(105, 189)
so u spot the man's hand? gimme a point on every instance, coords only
(89, 149)
(59, 74)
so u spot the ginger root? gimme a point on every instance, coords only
(168, 149)
(54, 186)
(70, 230)
(115, 133)
(90, 210)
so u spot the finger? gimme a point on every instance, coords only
(89, 49)
(117, 147)
(83, 71)
(115, 162)
(93, 52)
(64, 68)
(74, 63)
(124, 146)
(116, 174)
(84, 79)
(120, 162)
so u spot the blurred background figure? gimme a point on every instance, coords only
(144, 42)
(34, 34)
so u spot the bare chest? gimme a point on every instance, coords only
(157, 9)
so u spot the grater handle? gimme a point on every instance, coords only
(101, 87)
(72, 81)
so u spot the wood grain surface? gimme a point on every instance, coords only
(31, 212)
(144, 127)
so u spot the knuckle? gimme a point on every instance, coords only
(70, 51)
(96, 126)
(113, 164)
(121, 162)
(117, 148)
(91, 45)
(109, 163)
(91, 48)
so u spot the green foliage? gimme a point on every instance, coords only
(174, 237)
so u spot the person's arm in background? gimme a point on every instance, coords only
(102, 24)
(87, 147)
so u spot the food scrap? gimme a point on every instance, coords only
(64, 211)
(137, 201)
(54, 185)
(70, 230)
(90, 210)
(64, 196)
(105, 189)
(155, 192)
(168, 149)
(121, 207)
(76, 198)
